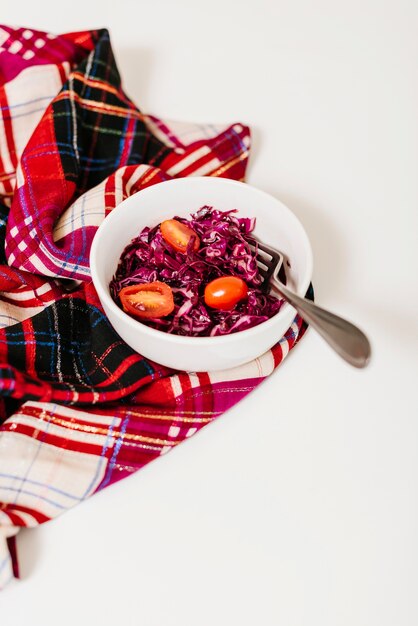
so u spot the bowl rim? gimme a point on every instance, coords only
(105, 296)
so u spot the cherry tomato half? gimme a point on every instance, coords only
(225, 292)
(147, 300)
(178, 235)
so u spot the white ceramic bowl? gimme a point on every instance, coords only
(275, 225)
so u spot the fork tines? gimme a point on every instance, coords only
(269, 260)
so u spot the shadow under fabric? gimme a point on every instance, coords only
(79, 410)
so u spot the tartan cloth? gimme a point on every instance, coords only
(79, 409)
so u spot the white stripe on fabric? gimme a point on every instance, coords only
(258, 368)
(188, 133)
(284, 344)
(20, 179)
(158, 132)
(28, 293)
(64, 432)
(4, 149)
(37, 81)
(176, 386)
(188, 160)
(207, 168)
(173, 431)
(135, 176)
(74, 116)
(118, 192)
(92, 418)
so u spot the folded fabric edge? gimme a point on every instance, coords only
(8, 553)
(9, 568)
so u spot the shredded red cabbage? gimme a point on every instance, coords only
(224, 250)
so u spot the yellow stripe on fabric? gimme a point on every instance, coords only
(96, 430)
(149, 176)
(96, 83)
(100, 107)
(227, 166)
(157, 416)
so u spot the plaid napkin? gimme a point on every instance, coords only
(79, 410)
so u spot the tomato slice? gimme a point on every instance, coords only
(225, 292)
(147, 300)
(178, 235)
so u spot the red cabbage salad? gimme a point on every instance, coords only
(195, 277)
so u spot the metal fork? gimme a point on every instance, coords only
(346, 339)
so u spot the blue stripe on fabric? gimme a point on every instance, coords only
(14, 117)
(100, 318)
(38, 449)
(21, 192)
(234, 137)
(70, 253)
(4, 562)
(150, 369)
(68, 152)
(16, 271)
(45, 344)
(122, 141)
(39, 484)
(53, 345)
(3, 274)
(49, 144)
(100, 461)
(118, 445)
(22, 104)
(35, 495)
(73, 219)
(83, 231)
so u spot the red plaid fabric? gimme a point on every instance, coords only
(79, 409)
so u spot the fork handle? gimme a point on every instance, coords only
(346, 339)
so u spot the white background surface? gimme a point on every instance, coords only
(298, 507)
